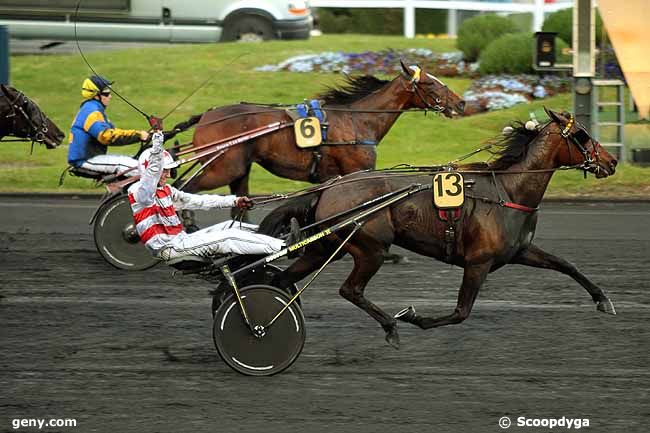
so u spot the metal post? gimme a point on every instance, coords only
(538, 16)
(452, 22)
(409, 19)
(584, 64)
(4, 55)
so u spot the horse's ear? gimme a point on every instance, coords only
(405, 69)
(553, 116)
(4, 89)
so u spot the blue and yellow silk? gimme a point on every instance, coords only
(92, 132)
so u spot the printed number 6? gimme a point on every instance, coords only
(306, 129)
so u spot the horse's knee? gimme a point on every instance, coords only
(460, 314)
(346, 293)
(350, 294)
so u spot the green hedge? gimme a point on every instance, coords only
(379, 21)
(513, 54)
(476, 33)
(561, 22)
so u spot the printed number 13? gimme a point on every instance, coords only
(450, 179)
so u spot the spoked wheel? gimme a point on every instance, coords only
(116, 238)
(263, 275)
(262, 351)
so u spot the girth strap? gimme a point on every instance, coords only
(313, 169)
(451, 217)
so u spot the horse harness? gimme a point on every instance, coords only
(33, 132)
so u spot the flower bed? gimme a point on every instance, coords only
(486, 93)
(376, 62)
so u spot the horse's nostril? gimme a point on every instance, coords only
(461, 105)
(614, 163)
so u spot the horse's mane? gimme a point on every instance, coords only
(353, 89)
(509, 148)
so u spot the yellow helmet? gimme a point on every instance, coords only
(94, 85)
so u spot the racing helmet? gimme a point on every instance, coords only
(94, 85)
(143, 161)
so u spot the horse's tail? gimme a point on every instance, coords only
(302, 208)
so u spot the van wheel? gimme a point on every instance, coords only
(247, 29)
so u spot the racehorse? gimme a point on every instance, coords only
(22, 118)
(495, 226)
(359, 114)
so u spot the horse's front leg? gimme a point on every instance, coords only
(473, 278)
(367, 262)
(536, 257)
(239, 187)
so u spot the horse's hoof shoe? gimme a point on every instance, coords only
(406, 315)
(606, 306)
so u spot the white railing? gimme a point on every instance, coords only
(537, 7)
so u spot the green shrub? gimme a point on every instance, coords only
(513, 54)
(475, 33)
(354, 20)
(561, 22)
(378, 21)
(430, 21)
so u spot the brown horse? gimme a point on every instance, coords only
(20, 117)
(495, 226)
(358, 117)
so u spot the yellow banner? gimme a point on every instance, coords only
(628, 27)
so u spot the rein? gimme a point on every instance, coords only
(408, 171)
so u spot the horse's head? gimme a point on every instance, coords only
(430, 92)
(580, 147)
(25, 120)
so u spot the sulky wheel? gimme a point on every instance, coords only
(263, 275)
(266, 350)
(116, 238)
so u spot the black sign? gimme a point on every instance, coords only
(545, 49)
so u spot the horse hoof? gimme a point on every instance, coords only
(393, 338)
(606, 306)
(406, 315)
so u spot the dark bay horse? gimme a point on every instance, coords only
(20, 117)
(358, 115)
(496, 224)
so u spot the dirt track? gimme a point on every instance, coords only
(132, 352)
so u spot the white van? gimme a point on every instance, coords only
(157, 20)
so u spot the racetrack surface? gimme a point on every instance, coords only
(132, 351)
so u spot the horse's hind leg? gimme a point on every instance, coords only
(473, 278)
(367, 262)
(536, 257)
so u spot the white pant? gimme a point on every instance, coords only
(220, 238)
(112, 164)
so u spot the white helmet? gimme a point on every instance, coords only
(168, 161)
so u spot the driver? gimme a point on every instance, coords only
(154, 205)
(92, 133)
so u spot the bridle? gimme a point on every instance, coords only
(414, 87)
(580, 138)
(31, 131)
